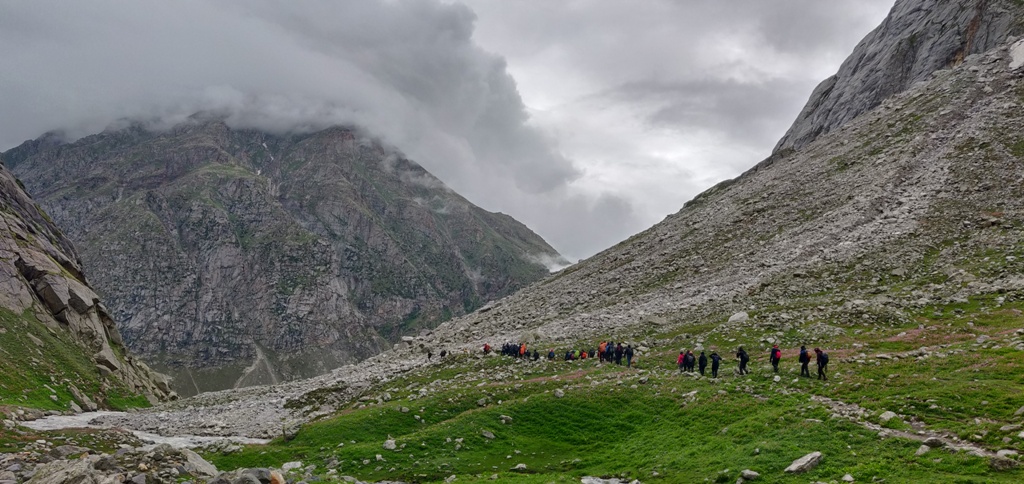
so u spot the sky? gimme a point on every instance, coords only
(587, 120)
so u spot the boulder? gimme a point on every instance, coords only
(749, 475)
(805, 463)
(196, 465)
(740, 317)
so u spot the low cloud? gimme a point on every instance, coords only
(407, 71)
(618, 86)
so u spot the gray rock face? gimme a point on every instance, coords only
(41, 275)
(918, 38)
(234, 257)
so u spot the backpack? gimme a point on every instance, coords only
(823, 358)
(777, 354)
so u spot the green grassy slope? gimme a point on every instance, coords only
(647, 423)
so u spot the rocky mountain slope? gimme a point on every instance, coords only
(916, 39)
(894, 241)
(910, 207)
(59, 347)
(235, 257)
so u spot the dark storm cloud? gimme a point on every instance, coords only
(600, 77)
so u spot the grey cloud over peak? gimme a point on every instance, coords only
(605, 148)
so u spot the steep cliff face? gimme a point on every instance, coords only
(57, 338)
(915, 40)
(234, 257)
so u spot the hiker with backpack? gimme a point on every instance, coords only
(618, 354)
(690, 361)
(715, 361)
(744, 358)
(805, 359)
(822, 358)
(775, 356)
(629, 356)
(681, 361)
(702, 363)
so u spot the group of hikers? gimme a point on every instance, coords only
(606, 351)
(609, 351)
(686, 361)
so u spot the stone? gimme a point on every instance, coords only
(740, 317)
(922, 450)
(805, 463)
(487, 434)
(777, 379)
(559, 393)
(1007, 453)
(887, 416)
(934, 442)
(519, 468)
(196, 465)
(481, 402)
(390, 444)
(848, 478)
(289, 466)
(749, 475)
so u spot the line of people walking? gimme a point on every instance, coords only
(606, 351)
(687, 360)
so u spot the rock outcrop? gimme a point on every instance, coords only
(915, 40)
(46, 299)
(235, 257)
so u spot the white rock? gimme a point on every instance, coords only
(848, 478)
(886, 416)
(922, 450)
(559, 393)
(749, 475)
(287, 466)
(805, 463)
(740, 317)
(390, 444)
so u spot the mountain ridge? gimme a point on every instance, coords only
(345, 242)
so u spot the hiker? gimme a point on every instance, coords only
(609, 351)
(702, 363)
(551, 354)
(629, 356)
(583, 355)
(568, 355)
(805, 358)
(536, 355)
(690, 360)
(443, 353)
(822, 358)
(744, 358)
(775, 356)
(429, 355)
(618, 354)
(715, 360)
(681, 360)
(522, 350)
(487, 348)
(600, 350)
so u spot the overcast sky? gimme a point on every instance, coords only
(587, 120)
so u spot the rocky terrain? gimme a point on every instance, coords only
(914, 204)
(234, 257)
(894, 240)
(60, 347)
(915, 40)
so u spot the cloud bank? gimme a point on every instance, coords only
(413, 72)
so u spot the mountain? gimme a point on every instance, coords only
(894, 241)
(908, 215)
(59, 347)
(234, 257)
(915, 40)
